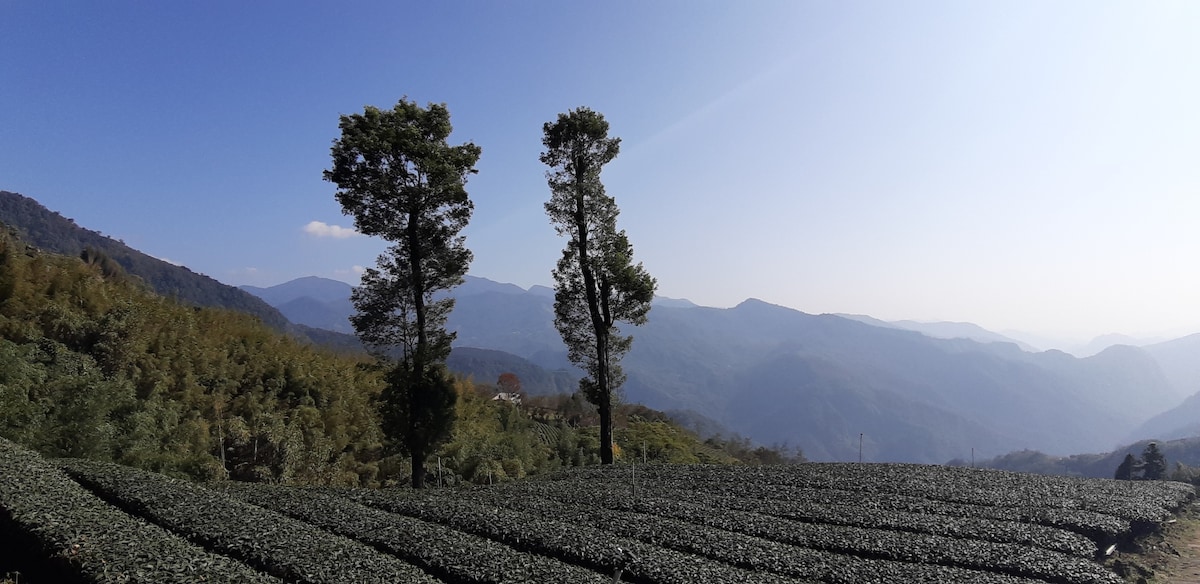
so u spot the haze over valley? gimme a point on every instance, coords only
(816, 381)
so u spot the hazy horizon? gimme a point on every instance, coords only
(1020, 166)
(1078, 346)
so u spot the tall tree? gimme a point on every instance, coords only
(1126, 469)
(1154, 464)
(597, 284)
(402, 181)
(509, 383)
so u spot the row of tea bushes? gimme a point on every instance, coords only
(571, 542)
(841, 562)
(453, 556)
(1135, 501)
(81, 521)
(875, 517)
(273, 543)
(1101, 510)
(53, 530)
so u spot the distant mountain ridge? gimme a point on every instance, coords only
(1180, 362)
(945, 330)
(52, 232)
(316, 288)
(779, 375)
(324, 303)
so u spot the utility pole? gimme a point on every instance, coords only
(860, 437)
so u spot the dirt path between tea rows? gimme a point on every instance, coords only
(1170, 558)
(1185, 567)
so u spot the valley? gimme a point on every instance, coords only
(780, 376)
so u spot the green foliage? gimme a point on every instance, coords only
(1186, 474)
(659, 440)
(283, 547)
(1126, 469)
(854, 523)
(99, 367)
(401, 180)
(1154, 464)
(418, 411)
(663, 523)
(52, 530)
(494, 441)
(596, 282)
(497, 441)
(449, 554)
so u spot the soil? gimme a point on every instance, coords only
(1169, 557)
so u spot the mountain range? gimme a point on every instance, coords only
(923, 392)
(824, 383)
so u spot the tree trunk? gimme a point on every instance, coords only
(604, 403)
(418, 360)
(418, 471)
(600, 327)
(418, 290)
(606, 440)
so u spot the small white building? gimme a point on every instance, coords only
(513, 398)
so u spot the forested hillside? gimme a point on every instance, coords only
(52, 232)
(97, 366)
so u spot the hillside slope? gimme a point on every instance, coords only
(52, 232)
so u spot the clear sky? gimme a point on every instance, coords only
(1018, 164)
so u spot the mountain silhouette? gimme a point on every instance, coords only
(52, 232)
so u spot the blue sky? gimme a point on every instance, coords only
(1020, 165)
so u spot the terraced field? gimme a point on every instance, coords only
(82, 521)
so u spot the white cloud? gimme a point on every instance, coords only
(350, 276)
(322, 229)
(169, 261)
(353, 271)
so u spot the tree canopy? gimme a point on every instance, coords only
(1154, 464)
(1127, 468)
(597, 284)
(401, 180)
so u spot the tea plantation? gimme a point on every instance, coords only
(83, 521)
